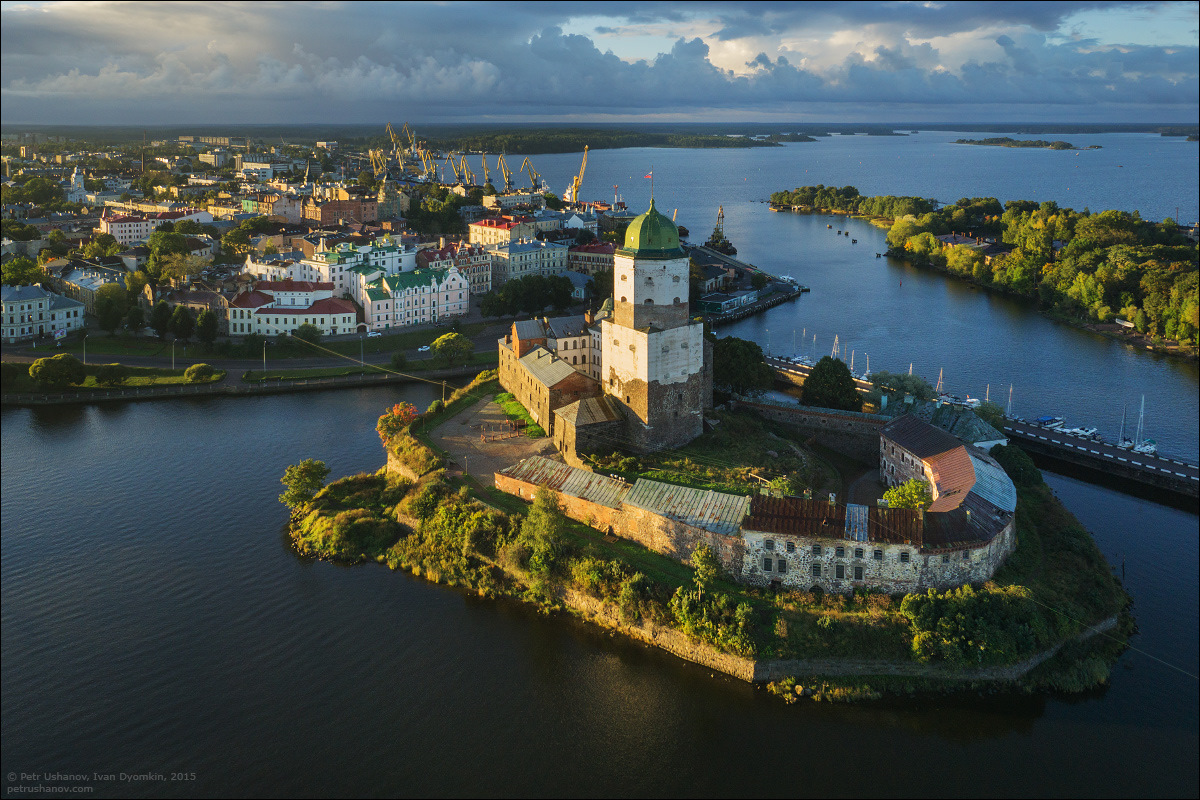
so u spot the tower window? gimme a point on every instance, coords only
(649, 302)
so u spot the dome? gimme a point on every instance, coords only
(652, 235)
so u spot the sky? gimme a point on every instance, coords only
(150, 63)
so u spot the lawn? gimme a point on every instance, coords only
(123, 345)
(481, 360)
(518, 413)
(16, 378)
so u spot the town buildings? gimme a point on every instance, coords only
(588, 259)
(278, 308)
(409, 298)
(520, 258)
(129, 228)
(472, 261)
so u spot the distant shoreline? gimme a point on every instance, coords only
(1042, 144)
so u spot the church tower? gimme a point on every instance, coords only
(653, 354)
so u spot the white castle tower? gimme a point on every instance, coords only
(654, 360)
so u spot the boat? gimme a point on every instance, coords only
(829, 227)
(1143, 446)
(1049, 422)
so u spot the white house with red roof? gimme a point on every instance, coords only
(128, 228)
(275, 308)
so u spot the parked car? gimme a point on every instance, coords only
(373, 334)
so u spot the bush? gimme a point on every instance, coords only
(58, 372)
(198, 373)
(112, 374)
(435, 407)
(399, 360)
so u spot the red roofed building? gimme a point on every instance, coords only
(127, 228)
(275, 308)
(498, 230)
(591, 258)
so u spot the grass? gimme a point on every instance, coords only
(123, 345)
(518, 413)
(16, 379)
(408, 340)
(424, 365)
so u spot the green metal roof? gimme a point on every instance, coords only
(652, 235)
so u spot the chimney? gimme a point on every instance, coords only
(588, 317)
(441, 243)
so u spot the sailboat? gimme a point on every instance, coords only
(1146, 447)
(1123, 441)
(866, 376)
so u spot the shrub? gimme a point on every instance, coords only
(198, 373)
(112, 374)
(58, 372)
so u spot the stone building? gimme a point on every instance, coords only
(655, 359)
(536, 377)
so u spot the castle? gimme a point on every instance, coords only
(653, 379)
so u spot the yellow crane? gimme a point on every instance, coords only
(487, 176)
(379, 164)
(453, 169)
(506, 172)
(572, 193)
(534, 176)
(468, 177)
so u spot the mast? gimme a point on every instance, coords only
(1008, 412)
(939, 385)
(852, 363)
(1124, 408)
(1141, 418)
(987, 394)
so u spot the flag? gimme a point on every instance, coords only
(650, 174)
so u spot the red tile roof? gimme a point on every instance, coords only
(294, 286)
(327, 306)
(252, 299)
(603, 248)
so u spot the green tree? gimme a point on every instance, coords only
(161, 245)
(160, 318)
(58, 372)
(22, 271)
(758, 280)
(198, 373)
(303, 481)
(707, 567)
(112, 302)
(453, 348)
(135, 318)
(739, 366)
(207, 326)
(910, 494)
(112, 374)
(180, 265)
(553, 202)
(542, 532)
(308, 333)
(399, 360)
(182, 323)
(830, 385)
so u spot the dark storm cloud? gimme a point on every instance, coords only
(362, 62)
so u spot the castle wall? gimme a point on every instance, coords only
(882, 565)
(854, 434)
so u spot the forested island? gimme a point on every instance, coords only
(1084, 267)
(1005, 141)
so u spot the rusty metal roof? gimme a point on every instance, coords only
(702, 508)
(919, 437)
(796, 516)
(589, 411)
(573, 482)
(895, 525)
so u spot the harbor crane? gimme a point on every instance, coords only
(506, 172)
(468, 177)
(487, 175)
(534, 176)
(379, 164)
(572, 193)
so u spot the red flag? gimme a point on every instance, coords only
(650, 174)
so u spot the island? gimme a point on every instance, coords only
(673, 503)
(1005, 141)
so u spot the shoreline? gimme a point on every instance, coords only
(1135, 340)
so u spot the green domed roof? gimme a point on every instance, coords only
(652, 235)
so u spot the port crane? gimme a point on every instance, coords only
(379, 164)
(487, 175)
(534, 176)
(506, 172)
(572, 193)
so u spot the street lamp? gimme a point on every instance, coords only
(172, 354)
(85, 348)
(362, 370)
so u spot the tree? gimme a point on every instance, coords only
(22, 271)
(399, 360)
(162, 244)
(542, 532)
(308, 333)
(112, 374)
(160, 318)
(58, 372)
(758, 280)
(830, 385)
(135, 318)
(182, 323)
(914, 493)
(303, 481)
(739, 366)
(198, 373)
(135, 284)
(180, 265)
(553, 202)
(453, 348)
(707, 567)
(207, 327)
(112, 302)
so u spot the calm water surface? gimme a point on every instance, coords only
(154, 618)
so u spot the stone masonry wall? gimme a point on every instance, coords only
(856, 435)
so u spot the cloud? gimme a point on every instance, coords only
(267, 62)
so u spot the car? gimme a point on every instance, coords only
(423, 348)
(373, 334)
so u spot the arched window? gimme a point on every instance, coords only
(676, 301)
(623, 300)
(649, 302)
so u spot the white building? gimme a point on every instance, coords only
(27, 312)
(277, 308)
(517, 259)
(335, 265)
(409, 298)
(128, 228)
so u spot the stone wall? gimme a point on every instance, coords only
(851, 433)
(652, 531)
(883, 565)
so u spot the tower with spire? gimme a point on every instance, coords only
(654, 361)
